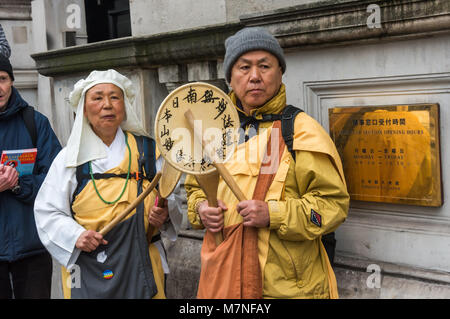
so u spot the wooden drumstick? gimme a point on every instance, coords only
(229, 180)
(209, 183)
(132, 206)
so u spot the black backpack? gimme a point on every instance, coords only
(27, 114)
(146, 164)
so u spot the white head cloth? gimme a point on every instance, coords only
(83, 144)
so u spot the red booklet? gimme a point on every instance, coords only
(22, 160)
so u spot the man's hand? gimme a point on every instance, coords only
(212, 217)
(158, 215)
(8, 177)
(89, 240)
(254, 212)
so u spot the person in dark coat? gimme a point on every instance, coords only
(25, 265)
(5, 49)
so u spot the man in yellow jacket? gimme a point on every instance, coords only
(292, 203)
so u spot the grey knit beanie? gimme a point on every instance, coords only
(250, 39)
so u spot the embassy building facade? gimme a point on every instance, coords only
(370, 68)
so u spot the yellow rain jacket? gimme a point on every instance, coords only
(308, 198)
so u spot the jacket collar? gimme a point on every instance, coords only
(274, 106)
(15, 104)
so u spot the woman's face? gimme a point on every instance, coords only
(104, 107)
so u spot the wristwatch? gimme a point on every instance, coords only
(16, 189)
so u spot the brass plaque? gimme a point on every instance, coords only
(390, 154)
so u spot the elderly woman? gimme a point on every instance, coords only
(107, 162)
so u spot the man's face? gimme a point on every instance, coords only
(255, 78)
(5, 89)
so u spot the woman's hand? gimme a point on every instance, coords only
(158, 215)
(89, 240)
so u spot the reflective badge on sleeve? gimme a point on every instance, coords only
(316, 218)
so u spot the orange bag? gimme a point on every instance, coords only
(232, 270)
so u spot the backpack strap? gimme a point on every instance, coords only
(28, 118)
(147, 156)
(287, 126)
(287, 130)
(80, 173)
(146, 164)
(287, 118)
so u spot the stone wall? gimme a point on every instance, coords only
(151, 17)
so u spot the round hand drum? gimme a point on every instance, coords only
(216, 121)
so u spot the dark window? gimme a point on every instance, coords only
(107, 19)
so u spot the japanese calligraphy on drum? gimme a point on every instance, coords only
(217, 122)
(390, 153)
